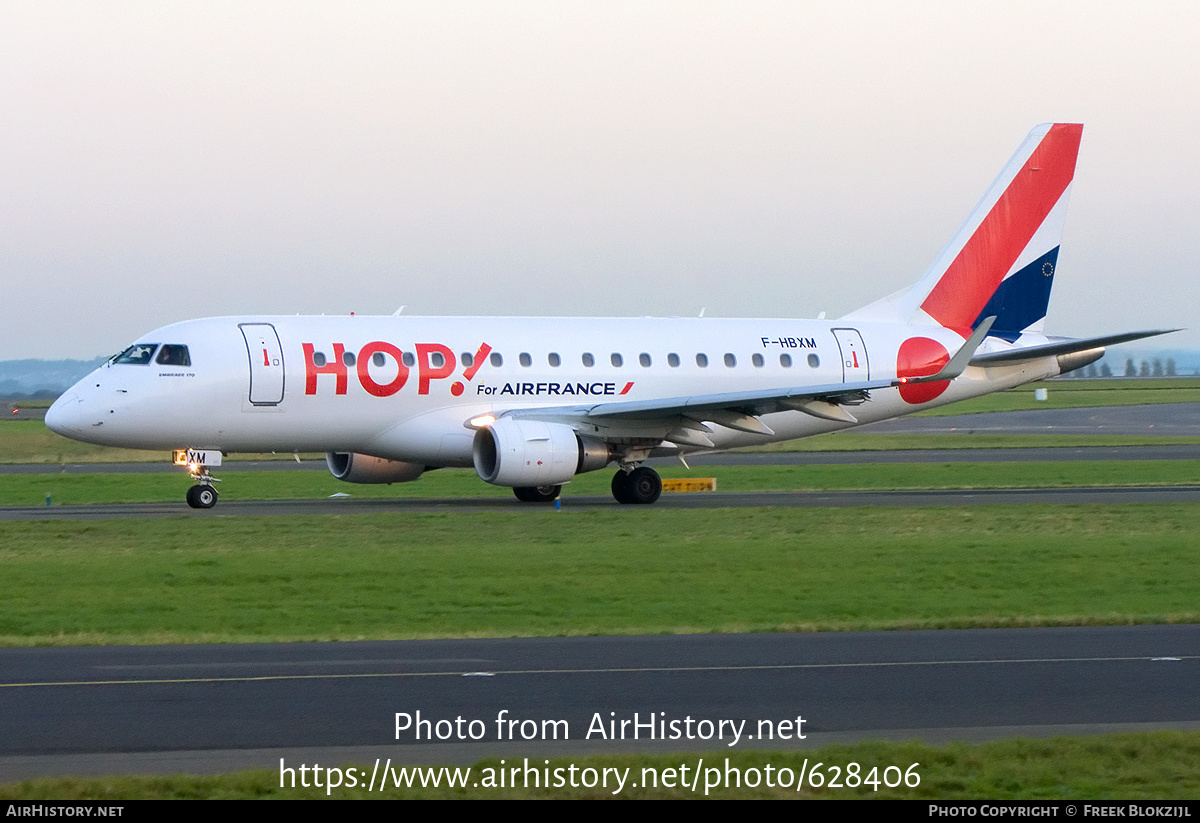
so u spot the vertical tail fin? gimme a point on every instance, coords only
(1001, 260)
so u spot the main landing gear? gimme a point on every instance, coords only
(641, 485)
(537, 494)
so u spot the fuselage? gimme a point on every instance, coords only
(404, 388)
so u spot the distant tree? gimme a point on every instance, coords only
(1105, 371)
(1130, 369)
(1144, 369)
(1170, 366)
(1091, 370)
(1158, 370)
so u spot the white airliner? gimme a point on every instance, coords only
(532, 402)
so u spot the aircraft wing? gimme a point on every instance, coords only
(826, 401)
(1061, 346)
(740, 410)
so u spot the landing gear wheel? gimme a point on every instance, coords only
(641, 486)
(620, 487)
(645, 486)
(202, 496)
(537, 494)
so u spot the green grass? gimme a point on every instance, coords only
(1077, 394)
(29, 441)
(1161, 765)
(539, 572)
(77, 489)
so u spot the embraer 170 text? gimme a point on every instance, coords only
(532, 402)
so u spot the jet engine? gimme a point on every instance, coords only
(531, 453)
(365, 468)
(1078, 359)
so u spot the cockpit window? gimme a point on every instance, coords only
(138, 354)
(172, 354)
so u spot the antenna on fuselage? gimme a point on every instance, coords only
(703, 310)
(398, 312)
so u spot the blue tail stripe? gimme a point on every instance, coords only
(1021, 300)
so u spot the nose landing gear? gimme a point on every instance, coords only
(203, 495)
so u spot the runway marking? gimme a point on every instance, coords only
(629, 670)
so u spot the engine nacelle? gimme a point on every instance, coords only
(1078, 359)
(365, 468)
(513, 452)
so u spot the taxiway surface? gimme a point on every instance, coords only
(163, 709)
(1165, 419)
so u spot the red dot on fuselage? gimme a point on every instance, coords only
(456, 388)
(921, 357)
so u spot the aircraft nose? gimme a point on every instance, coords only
(65, 415)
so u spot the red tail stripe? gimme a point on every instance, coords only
(988, 255)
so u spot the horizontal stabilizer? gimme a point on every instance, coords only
(1058, 347)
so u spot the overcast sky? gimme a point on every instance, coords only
(161, 161)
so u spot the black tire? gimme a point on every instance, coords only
(644, 485)
(537, 494)
(620, 487)
(202, 496)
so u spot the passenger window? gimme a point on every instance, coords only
(588, 360)
(408, 359)
(644, 359)
(466, 358)
(318, 358)
(378, 359)
(496, 360)
(757, 360)
(702, 360)
(814, 361)
(436, 359)
(348, 358)
(136, 355)
(785, 360)
(173, 355)
(616, 360)
(553, 359)
(673, 360)
(525, 359)
(730, 360)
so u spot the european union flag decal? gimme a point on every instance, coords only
(1021, 300)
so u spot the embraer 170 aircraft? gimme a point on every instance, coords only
(532, 402)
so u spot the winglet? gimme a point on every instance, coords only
(958, 363)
